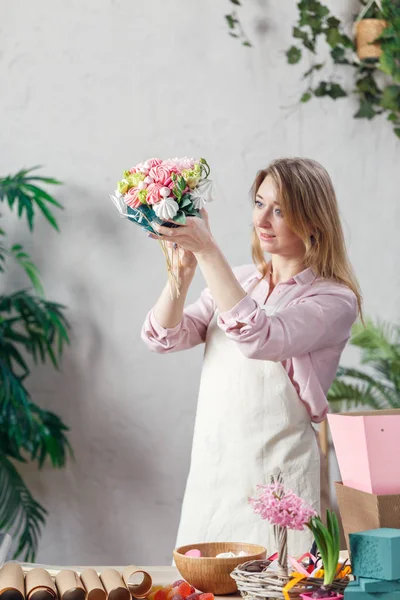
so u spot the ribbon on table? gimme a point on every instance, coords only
(296, 563)
(296, 577)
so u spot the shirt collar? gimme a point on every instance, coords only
(306, 276)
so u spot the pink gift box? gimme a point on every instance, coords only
(367, 446)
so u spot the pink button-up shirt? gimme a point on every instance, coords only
(307, 335)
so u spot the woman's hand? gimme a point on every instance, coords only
(193, 237)
(184, 261)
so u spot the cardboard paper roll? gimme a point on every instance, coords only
(70, 586)
(137, 581)
(39, 585)
(93, 586)
(114, 585)
(12, 585)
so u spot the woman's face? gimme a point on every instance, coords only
(269, 223)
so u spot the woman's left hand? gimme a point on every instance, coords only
(195, 236)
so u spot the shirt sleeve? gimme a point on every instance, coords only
(312, 323)
(190, 332)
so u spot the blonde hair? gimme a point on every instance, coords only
(309, 204)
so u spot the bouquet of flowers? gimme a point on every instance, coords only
(164, 192)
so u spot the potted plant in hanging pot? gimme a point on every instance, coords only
(369, 26)
(327, 539)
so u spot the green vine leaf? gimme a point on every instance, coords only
(391, 98)
(333, 37)
(315, 22)
(366, 111)
(315, 67)
(231, 21)
(306, 97)
(293, 55)
(333, 90)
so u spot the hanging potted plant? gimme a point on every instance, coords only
(370, 25)
(377, 95)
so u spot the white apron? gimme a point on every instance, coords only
(250, 422)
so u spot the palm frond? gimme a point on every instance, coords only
(23, 259)
(39, 325)
(377, 341)
(48, 439)
(384, 392)
(380, 350)
(18, 190)
(346, 396)
(30, 328)
(19, 512)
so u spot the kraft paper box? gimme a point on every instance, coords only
(361, 511)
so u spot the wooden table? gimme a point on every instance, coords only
(160, 575)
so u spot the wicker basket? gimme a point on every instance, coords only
(269, 584)
(367, 31)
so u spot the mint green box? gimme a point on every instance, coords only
(376, 553)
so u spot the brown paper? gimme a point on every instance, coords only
(361, 511)
(12, 585)
(114, 585)
(69, 586)
(368, 413)
(137, 581)
(39, 585)
(93, 586)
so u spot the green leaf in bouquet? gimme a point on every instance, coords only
(192, 212)
(205, 168)
(180, 218)
(186, 201)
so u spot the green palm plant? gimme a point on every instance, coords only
(379, 388)
(33, 330)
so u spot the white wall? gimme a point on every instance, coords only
(90, 88)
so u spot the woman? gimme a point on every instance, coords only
(273, 334)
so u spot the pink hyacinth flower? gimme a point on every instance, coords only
(281, 507)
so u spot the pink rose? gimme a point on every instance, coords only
(180, 163)
(153, 162)
(160, 174)
(133, 170)
(131, 198)
(153, 193)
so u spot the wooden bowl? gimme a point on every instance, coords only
(211, 574)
